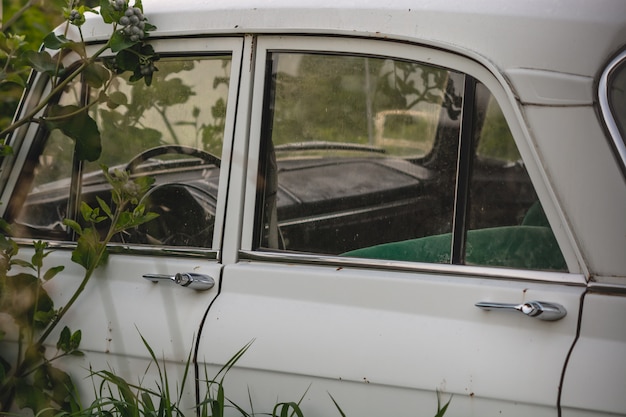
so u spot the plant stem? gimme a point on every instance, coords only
(88, 273)
(31, 115)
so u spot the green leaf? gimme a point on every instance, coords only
(42, 62)
(105, 207)
(64, 340)
(27, 396)
(22, 263)
(108, 13)
(43, 318)
(96, 75)
(124, 389)
(119, 42)
(89, 252)
(86, 211)
(91, 215)
(21, 293)
(56, 384)
(75, 340)
(74, 226)
(54, 41)
(33, 356)
(52, 272)
(76, 123)
(441, 410)
(337, 406)
(38, 256)
(14, 78)
(117, 98)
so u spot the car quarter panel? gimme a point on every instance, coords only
(587, 181)
(596, 376)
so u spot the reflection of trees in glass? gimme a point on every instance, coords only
(173, 110)
(337, 98)
(434, 86)
(213, 133)
(496, 139)
(55, 161)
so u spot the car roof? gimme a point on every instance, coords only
(575, 37)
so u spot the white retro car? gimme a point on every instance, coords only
(392, 199)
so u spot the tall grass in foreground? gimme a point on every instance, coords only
(116, 397)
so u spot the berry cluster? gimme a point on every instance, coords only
(148, 68)
(74, 15)
(118, 5)
(133, 21)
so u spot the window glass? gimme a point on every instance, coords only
(506, 223)
(172, 131)
(350, 152)
(40, 200)
(361, 158)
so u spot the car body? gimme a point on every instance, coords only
(364, 259)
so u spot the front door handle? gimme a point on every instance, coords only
(539, 309)
(191, 280)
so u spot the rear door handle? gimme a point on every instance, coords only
(191, 280)
(538, 309)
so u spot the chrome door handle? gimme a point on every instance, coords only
(538, 309)
(191, 280)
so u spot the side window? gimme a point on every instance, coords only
(505, 223)
(172, 130)
(360, 151)
(361, 159)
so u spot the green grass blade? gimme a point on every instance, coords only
(337, 406)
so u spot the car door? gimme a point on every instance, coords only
(395, 240)
(179, 132)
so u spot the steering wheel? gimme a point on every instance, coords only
(171, 149)
(186, 217)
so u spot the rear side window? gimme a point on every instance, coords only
(387, 159)
(172, 131)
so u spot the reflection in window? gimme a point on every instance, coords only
(172, 130)
(360, 159)
(506, 223)
(185, 105)
(350, 157)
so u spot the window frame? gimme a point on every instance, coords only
(474, 71)
(618, 143)
(30, 140)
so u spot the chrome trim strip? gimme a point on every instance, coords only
(347, 213)
(445, 269)
(607, 289)
(605, 108)
(125, 249)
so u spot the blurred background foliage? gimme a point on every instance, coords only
(32, 19)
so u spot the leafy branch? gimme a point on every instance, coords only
(32, 382)
(127, 42)
(28, 378)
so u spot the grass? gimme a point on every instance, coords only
(116, 397)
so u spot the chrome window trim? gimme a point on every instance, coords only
(125, 249)
(607, 289)
(447, 58)
(405, 266)
(605, 108)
